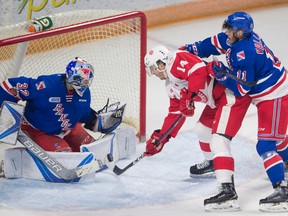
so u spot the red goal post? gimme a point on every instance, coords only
(113, 42)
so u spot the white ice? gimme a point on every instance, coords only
(160, 185)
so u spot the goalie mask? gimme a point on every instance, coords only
(79, 75)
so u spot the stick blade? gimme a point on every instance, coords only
(117, 170)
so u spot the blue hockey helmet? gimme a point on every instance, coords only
(79, 75)
(239, 21)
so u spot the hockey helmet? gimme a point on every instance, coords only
(239, 21)
(154, 57)
(79, 75)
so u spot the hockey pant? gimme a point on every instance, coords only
(70, 142)
(223, 122)
(272, 143)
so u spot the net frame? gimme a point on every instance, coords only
(28, 37)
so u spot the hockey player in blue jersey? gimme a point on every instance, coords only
(252, 69)
(56, 107)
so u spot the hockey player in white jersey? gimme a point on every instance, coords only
(188, 81)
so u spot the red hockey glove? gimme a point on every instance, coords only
(153, 146)
(186, 102)
(217, 70)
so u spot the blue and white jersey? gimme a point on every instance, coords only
(50, 107)
(251, 60)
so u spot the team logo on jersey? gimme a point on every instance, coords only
(54, 99)
(240, 56)
(200, 97)
(40, 85)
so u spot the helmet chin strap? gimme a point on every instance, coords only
(164, 71)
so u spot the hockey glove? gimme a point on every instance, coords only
(217, 70)
(108, 118)
(186, 102)
(191, 48)
(153, 146)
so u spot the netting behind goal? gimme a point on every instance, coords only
(114, 43)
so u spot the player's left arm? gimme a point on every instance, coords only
(243, 69)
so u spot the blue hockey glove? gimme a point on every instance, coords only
(192, 48)
(217, 70)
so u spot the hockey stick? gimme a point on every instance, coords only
(239, 80)
(119, 171)
(53, 164)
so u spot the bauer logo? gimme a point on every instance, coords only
(54, 99)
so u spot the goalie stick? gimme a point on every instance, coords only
(118, 171)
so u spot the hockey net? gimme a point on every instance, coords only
(113, 42)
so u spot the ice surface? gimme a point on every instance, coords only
(160, 185)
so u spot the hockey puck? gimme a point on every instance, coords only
(110, 157)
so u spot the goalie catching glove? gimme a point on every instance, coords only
(108, 118)
(153, 146)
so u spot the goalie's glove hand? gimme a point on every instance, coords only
(186, 102)
(111, 118)
(107, 119)
(217, 70)
(153, 146)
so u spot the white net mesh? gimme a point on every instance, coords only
(112, 48)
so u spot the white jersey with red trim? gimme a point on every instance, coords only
(189, 71)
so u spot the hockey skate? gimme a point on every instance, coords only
(277, 201)
(204, 169)
(226, 200)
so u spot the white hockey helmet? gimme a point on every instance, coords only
(154, 56)
(79, 75)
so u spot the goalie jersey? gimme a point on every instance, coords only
(50, 107)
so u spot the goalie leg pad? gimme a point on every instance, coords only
(19, 163)
(120, 144)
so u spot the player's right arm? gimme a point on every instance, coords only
(215, 45)
(151, 147)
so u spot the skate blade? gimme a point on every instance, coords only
(228, 206)
(274, 207)
(206, 175)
